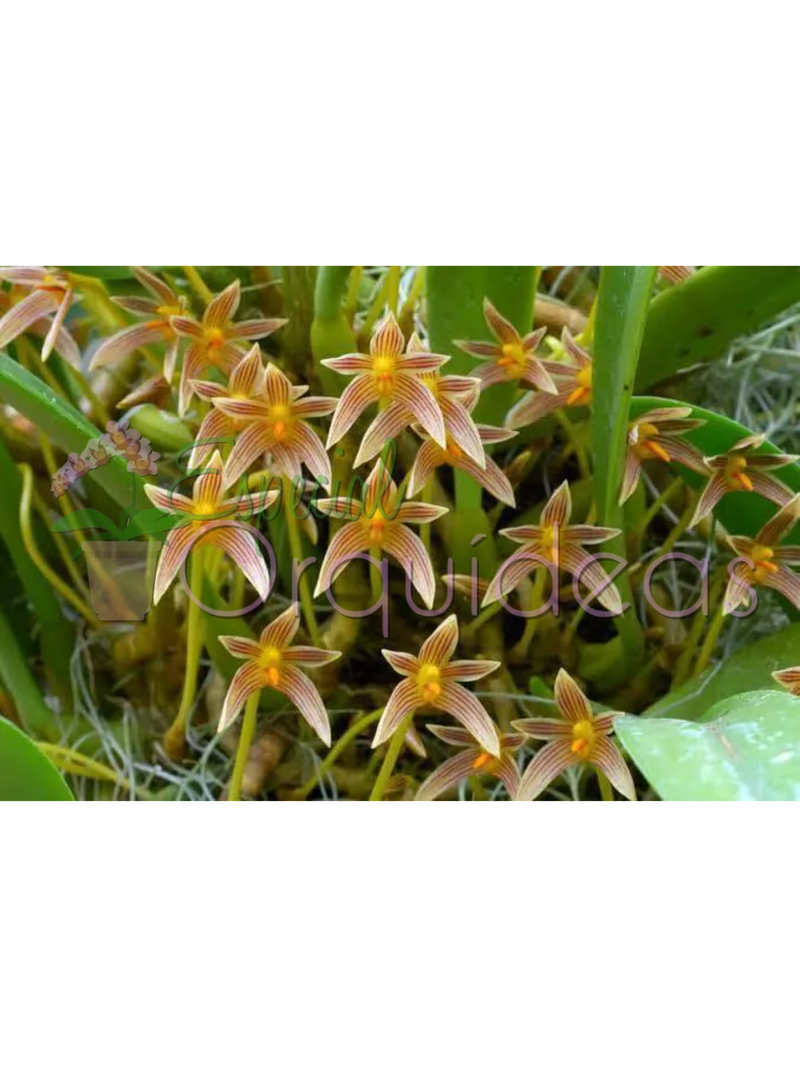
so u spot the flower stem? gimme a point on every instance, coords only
(175, 737)
(427, 498)
(243, 748)
(344, 741)
(711, 639)
(606, 792)
(657, 505)
(72, 762)
(197, 283)
(520, 650)
(375, 574)
(390, 759)
(489, 612)
(576, 441)
(296, 547)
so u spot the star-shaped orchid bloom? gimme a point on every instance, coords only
(387, 374)
(573, 387)
(208, 510)
(555, 542)
(274, 420)
(491, 477)
(431, 681)
(656, 436)
(245, 383)
(216, 341)
(513, 358)
(52, 292)
(157, 310)
(741, 469)
(378, 522)
(789, 678)
(472, 760)
(763, 562)
(272, 664)
(581, 737)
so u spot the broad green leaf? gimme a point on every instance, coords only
(85, 519)
(698, 319)
(152, 522)
(747, 749)
(331, 333)
(622, 304)
(749, 668)
(16, 677)
(25, 772)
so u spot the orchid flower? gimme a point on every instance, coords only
(513, 358)
(378, 522)
(52, 292)
(491, 477)
(154, 390)
(208, 510)
(676, 275)
(387, 374)
(729, 475)
(789, 678)
(431, 682)
(655, 436)
(272, 664)
(157, 310)
(581, 737)
(275, 423)
(245, 383)
(558, 543)
(216, 341)
(762, 562)
(144, 463)
(470, 761)
(573, 387)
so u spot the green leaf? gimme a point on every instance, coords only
(622, 304)
(85, 519)
(331, 333)
(25, 772)
(749, 668)
(152, 522)
(698, 319)
(747, 749)
(15, 674)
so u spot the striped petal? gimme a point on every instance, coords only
(168, 500)
(787, 583)
(518, 566)
(311, 451)
(739, 588)
(536, 374)
(788, 554)
(404, 699)
(578, 353)
(630, 476)
(675, 275)
(224, 305)
(303, 694)
(193, 366)
(412, 511)
(589, 535)
(421, 402)
(789, 678)
(313, 406)
(770, 488)
(465, 708)
(215, 424)
(463, 430)
(452, 735)
(448, 775)
(404, 546)
(534, 406)
(542, 729)
(253, 329)
(605, 722)
(209, 390)
(420, 362)
(523, 535)
(779, 525)
(339, 507)
(354, 363)
(491, 478)
(607, 757)
(137, 305)
(247, 680)
(532, 340)
(500, 326)
(715, 490)
(252, 443)
(245, 553)
(175, 550)
(283, 629)
(558, 508)
(242, 647)
(413, 741)
(345, 543)
(469, 670)
(402, 662)
(24, 275)
(438, 649)
(682, 452)
(248, 374)
(548, 764)
(23, 315)
(207, 488)
(429, 457)
(388, 339)
(154, 390)
(358, 396)
(386, 426)
(240, 408)
(493, 374)
(126, 341)
(590, 572)
(186, 326)
(570, 698)
(480, 349)
(160, 290)
(506, 770)
(307, 656)
(171, 357)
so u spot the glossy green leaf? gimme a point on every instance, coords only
(331, 333)
(698, 319)
(16, 677)
(749, 668)
(622, 304)
(25, 772)
(747, 749)
(85, 519)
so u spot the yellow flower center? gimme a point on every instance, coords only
(169, 309)
(734, 470)
(384, 368)
(513, 359)
(214, 337)
(642, 437)
(453, 451)
(428, 680)
(205, 507)
(761, 556)
(270, 660)
(484, 762)
(280, 418)
(377, 529)
(583, 739)
(583, 390)
(549, 544)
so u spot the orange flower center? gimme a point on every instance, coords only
(270, 660)
(549, 544)
(384, 368)
(205, 507)
(583, 739)
(734, 470)
(215, 339)
(583, 390)
(453, 451)
(761, 556)
(169, 309)
(280, 418)
(513, 359)
(428, 680)
(484, 762)
(642, 437)
(377, 529)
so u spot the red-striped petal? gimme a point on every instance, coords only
(126, 341)
(252, 443)
(779, 525)
(404, 699)
(463, 430)
(308, 656)
(160, 290)
(223, 307)
(449, 774)
(169, 500)
(402, 662)
(247, 680)
(242, 647)
(244, 550)
(23, 315)
(174, 552)
(577, 561)
(412, 556)
(357, 397)
(606, 756)
(421, 401)
(570, 698)
(630, 476)
(429, 457)
(558, 508)
(248, 374)
(413, 511)
(254, 329)
(283, 629)
(469, 670)
(439, 648)
(465, 708)
(345, 543)
(354, 363)
(548, 764)
(500, 326)
(303, 693)
(542, 729)
(386, 426)
(388, 339)
(311, 451)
